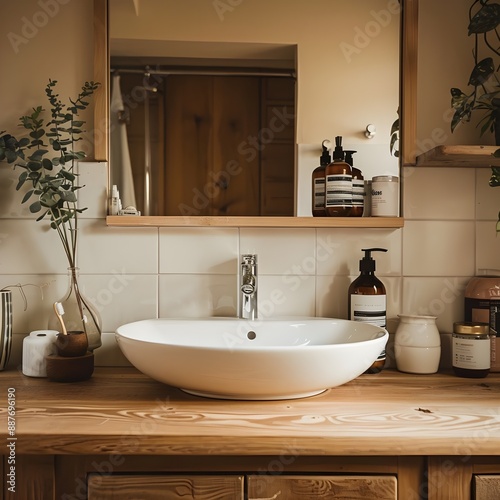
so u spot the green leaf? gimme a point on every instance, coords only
(22, 179)
(47, 164)
(37, 154)
(34, 165)
(67, 175)
(35, 207)
(27, 196)
(42, 216)
(56, 145)
(458, 98)
(36, 134)
(23, 142)
(495, 176)
(481, 72)
(68, 196)
(10, 155)
(486, 19)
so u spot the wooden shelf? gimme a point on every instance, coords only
(205, 221)
(459, 156)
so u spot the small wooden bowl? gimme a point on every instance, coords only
(72, 345)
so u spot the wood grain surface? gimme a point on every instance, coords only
(119, 410)
(261, 221)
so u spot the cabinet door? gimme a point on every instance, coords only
(163, 487)
(322, 487)
(487, 487)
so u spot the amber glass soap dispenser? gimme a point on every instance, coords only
(367, 300)
(338, 174)
(318, 183)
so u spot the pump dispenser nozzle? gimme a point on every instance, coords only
(348, 157)
(325, 157)
(338, 153)
(367, 264)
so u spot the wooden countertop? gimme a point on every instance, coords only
(121, 411)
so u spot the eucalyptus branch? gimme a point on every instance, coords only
(49, 168)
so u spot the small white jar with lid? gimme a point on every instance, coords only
(417, 344)
(385, 196)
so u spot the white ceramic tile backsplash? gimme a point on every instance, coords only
(280, 250)
(190, 295)
(438, 248)
(487, 245)
(435, 296)
(429, 193)
(487, 197)
(339, 250)
(199, 250)
(121, 298)
(137, 273)
(286, 295)
(10, 199)
(30, 247)
(104, 249)
(93, 176)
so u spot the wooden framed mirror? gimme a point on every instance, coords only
(407, 82)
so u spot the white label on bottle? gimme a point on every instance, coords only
(358, 192)
(471, 354)
(338, 190)
(369, 309)
(319, 193)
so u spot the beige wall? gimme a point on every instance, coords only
(445, 61)
(136, 273)
(348, 57)
(39, 43)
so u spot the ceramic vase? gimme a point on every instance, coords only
(417, 344)
(5, 327)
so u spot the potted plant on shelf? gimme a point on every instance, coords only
(47, 159)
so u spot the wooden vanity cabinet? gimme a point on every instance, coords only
(228, 487)
(111, 476)
(321, 487)
(152, 487)
(463, 477)
(237, 477)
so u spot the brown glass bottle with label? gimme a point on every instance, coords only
(367, 300)
(338, 175)
(318, 183)
(358, 187)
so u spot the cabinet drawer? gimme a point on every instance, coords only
(322, 487)
(486, 486)
(164, 487)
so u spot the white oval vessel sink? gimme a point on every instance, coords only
(263, 359)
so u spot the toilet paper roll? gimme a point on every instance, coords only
(36, 346)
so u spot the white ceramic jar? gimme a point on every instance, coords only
(417, 344)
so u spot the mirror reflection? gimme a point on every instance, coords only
(220, 109)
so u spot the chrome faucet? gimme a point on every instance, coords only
(248, 286)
